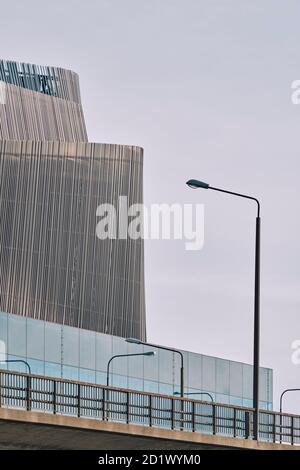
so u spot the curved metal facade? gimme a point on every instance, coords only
(53, 267)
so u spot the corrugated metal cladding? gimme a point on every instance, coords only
(53, 267)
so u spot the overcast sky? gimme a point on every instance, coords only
(205, 87)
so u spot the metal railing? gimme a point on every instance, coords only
(65, 397)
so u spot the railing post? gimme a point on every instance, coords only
(193, 417)
(28, 392)
(54, 397)
(213, 419)
(127, 407)
(150, 411)
(274, 427)
(78, 400)
(292, 430)
(0, 389)
(104, 404)
(247, 424)
(234, 422)
(172, 413)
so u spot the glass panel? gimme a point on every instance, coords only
(103, 351)
(87, 375)
(70, 373)
(166, 366)
(35, 339)
(16, 366)
(135, 384)
(222, 376)
(70, 346)
(87, 353)
(150, 386)
(101, 378)
(208, 373)
(16, 335)
(53, 370)
(37, 367)
(151, 365)
(3, 336)
(136, 364)
(166, 389)
(194, 371)
(53, 342)
(221, 398)
(247, 382)
(120, 381)
(119, 365)
(236, 379)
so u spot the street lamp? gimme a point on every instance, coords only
(196, 184)
(197, 393)
(281, 398)
(148, 353)
(17, 360)
(137, 341)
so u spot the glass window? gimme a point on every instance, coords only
(16, 335)
(53, 342)
(35, 339)
(70, 346)
(87, 354)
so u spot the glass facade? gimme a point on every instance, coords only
(76, 354)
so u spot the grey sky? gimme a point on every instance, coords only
(205, 87)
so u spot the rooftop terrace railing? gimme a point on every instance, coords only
(65, 397)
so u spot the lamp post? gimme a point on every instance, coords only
(148, 353)
(196, 393)
(137, 341)
(281, 398)
(18, 360)
(196, 184)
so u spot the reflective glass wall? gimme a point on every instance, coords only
(76, 354)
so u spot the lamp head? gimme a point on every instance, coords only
(150, 353)
(196, 184)
(133, 341)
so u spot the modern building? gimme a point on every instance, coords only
(53, 267)
(68, 299)
(76, 354)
